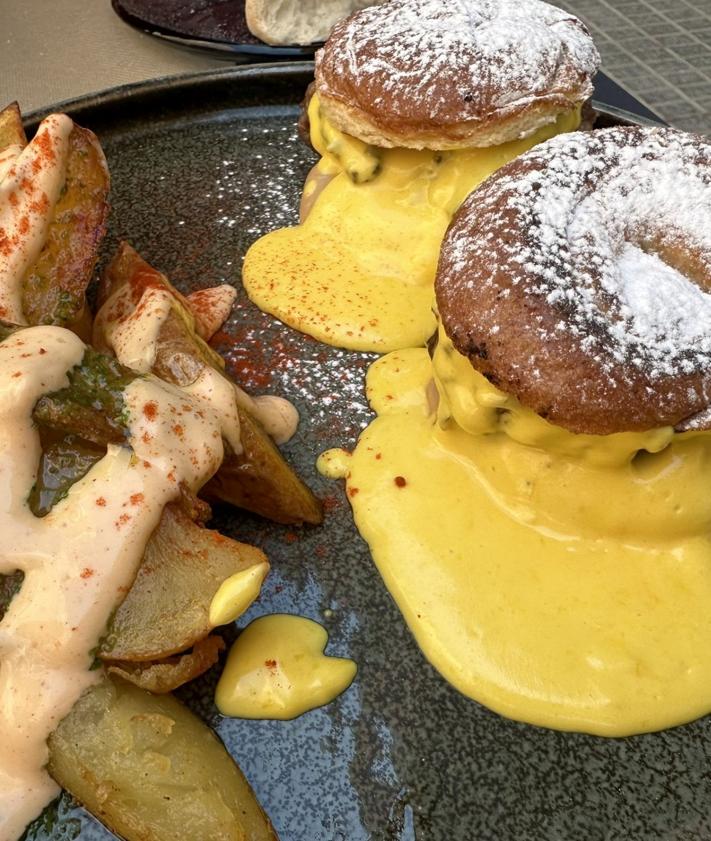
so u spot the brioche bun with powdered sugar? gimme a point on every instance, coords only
(577, 278)
(451, 74)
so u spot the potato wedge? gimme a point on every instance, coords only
(168, 607)
(258, 479)
(164, 676)
(211, 308)
(179, 359)
(54, 286)
(150, 770)
(131, 276)
(11, 131)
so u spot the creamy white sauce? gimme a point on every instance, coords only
(277, 415)
(8, 156)
(30, 185)
(79, 559)
(216, 391)
(132, 329)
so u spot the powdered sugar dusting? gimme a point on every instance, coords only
(460, 60)
(660, 303)
(613, 229)
(702, 420)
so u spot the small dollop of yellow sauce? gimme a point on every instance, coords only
(236, 594)
(277, 669)
(359, 271)
(333, 463)
(562, 580)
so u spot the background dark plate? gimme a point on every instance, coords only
(217, 28)
(200, 168)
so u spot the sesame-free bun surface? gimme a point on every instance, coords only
(283, 22)
(448, 74)
(577, 278)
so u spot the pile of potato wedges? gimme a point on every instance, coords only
(130, 752)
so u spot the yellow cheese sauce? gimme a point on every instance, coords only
(567, 587)
(359, 271)
(277, 669)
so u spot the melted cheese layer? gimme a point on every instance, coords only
(359, 271)
(566, 587)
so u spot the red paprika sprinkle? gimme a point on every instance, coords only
(150, 410)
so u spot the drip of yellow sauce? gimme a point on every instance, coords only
(560, 580)
(277, 669)
(468, 399)
(359, 271)
(236, 594)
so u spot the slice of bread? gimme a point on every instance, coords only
(282, 22)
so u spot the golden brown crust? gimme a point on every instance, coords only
(491, 130)
(11, 131)
(446, 75)
(304, 124)
(574, 279)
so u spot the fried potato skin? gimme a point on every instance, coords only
(167, 609)
(9, 587)
(164, 676)
(92, 405)
(251, 480)
(150, 770)
(54, 287)
(11, 131)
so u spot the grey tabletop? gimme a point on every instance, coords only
(51, 50)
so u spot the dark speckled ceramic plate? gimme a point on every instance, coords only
(200, 168)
